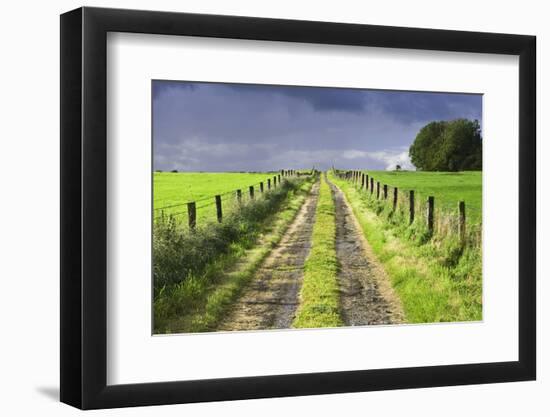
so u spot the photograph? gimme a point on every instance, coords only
(306, 207)
(284, 204)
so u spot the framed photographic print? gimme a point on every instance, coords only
(258, 207)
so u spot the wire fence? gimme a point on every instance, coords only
(216, 207)
(411, 206)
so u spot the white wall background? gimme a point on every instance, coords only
(29, 225)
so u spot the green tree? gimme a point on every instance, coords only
(448, 146)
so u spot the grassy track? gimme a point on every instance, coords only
(178, 188)
(198, 301)
(319, 294)
(448, 188)
(435, 282)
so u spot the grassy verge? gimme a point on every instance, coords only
(193, 287)
(319, 294)
(437, 278)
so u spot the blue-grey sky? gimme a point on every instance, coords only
(241, 127)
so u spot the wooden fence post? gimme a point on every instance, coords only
(279, 178)
(430, 215)
(362, 181)
(239, 196)
(268, 184)
(366, 182)
(377, 190)
(394, 198)
(411, 206)
(219, 208)
(192, 214)
(261, 186)
(371, 185)
(385, 191)
(462, 220)
(251, 192)
(274, 182)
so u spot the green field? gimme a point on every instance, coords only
(173, 190)
(448, 188)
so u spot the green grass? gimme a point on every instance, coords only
(176, 189)
(196, 274)
(319, 297)
(438, 279)
(448, 188)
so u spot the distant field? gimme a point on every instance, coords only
(448, 188)
(170, 189)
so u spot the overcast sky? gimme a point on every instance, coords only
(241, 127)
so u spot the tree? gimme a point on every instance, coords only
(448, 146)
(398, 167)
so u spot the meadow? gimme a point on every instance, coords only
(174, 189)
(448, 188)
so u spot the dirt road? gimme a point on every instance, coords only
(366, 295)
(271, 299)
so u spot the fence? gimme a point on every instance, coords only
(410, 205)
(222, 204)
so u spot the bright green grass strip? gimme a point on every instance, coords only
(319, 294)
(429, 291)
(448, 188)
(206, 305)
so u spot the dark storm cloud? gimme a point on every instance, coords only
(161, 87)
(320, 99)
(219, 127)
(411, 106)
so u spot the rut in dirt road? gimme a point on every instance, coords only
(366, 296)
(271, 299)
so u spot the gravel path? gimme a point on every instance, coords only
(271, 299)
(366, 296)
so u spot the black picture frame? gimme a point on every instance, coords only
(84, 207)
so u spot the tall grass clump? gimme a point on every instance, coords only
(187, 264)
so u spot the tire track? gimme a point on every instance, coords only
(271, 298)
(366, 295)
